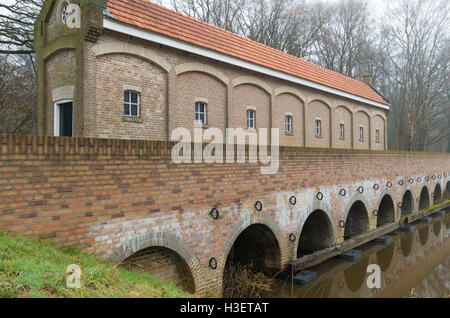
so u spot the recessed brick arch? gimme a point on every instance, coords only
(126, 48)
(437, 197)
(266, 224)
(252, 81)
(447, 191)
(424, 198)
(202, 68)
(407, 202)
(290, 90)
(316, 233)
(386, 210)
(167, 244)
(357, 217)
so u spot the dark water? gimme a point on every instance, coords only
(416, 264)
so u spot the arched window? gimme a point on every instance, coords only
(131, 103)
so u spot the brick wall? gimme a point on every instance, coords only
(102, 194)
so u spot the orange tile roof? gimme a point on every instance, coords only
(155, 18)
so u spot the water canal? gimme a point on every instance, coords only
(415, 264)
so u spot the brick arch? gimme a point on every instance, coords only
(202, 68)
(160, 239)
(358, 200)
(438, 193)
(320, 98)
(402, 196)
(252, 81)
(424, 198)
(384, 200)
(290, 90)
(245, 223)
(130, 49)
(447, 190)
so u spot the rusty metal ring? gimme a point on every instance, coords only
(400, 182)
(361, 189)
(342, 223)
(389, 184)
(375, 212)
(343, 192)
(258, 206)
(427, 178)
(319, 196)
(376, 186)
(411, 180)
(419, 179)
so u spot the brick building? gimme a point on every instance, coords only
(136, 70)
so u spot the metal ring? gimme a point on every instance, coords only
(411, 180)
(360, 189)
(389, 184)
(342, 223)
(213, 263)
(419, 179)
(400, 182)
(293, 200)
(445, 175)
(433, 177)
(258, 206)
(417, 199)
(319, 196)
(427, 178)
(400, 205)
(376, 186)
(439, 176)
(214, 213)
(292, 237)
(343, 192)
(432, 194)
(375, 212)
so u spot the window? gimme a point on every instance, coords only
(131, 104)
(200, 113)
(318, 127)
(341, 131)
(361, 134)
(377, 135)
(250, 119)
(288, 124)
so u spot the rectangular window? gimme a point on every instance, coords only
(200, 112)
(341, 131)
(288, 124)
(361, 134)
(318, 128)
(250, 118)
(377, 135)
(131, 104)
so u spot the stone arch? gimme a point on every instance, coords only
(130, 49)
(386, 210)
(316, 233)
(202, 68)
(437, 194)
(290, 90)
(357, 218)
(424, 199)
(252, 81)
(169, 243)
(320, 98)
(407, 203)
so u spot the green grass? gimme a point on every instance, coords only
(32, 268)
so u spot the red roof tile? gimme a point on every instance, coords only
(150, 16)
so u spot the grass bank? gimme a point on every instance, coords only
(32, 268)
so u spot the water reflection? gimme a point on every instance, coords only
(416, 264)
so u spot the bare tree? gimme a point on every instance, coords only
(419, 58)
(17, 25)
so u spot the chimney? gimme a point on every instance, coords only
(367, 78)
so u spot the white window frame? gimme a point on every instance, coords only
(361, 133)
(342, 131)
(130, 103)
(318, 127)
(286, 124)
(252, 120)
(56, 113)
(205, 105)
